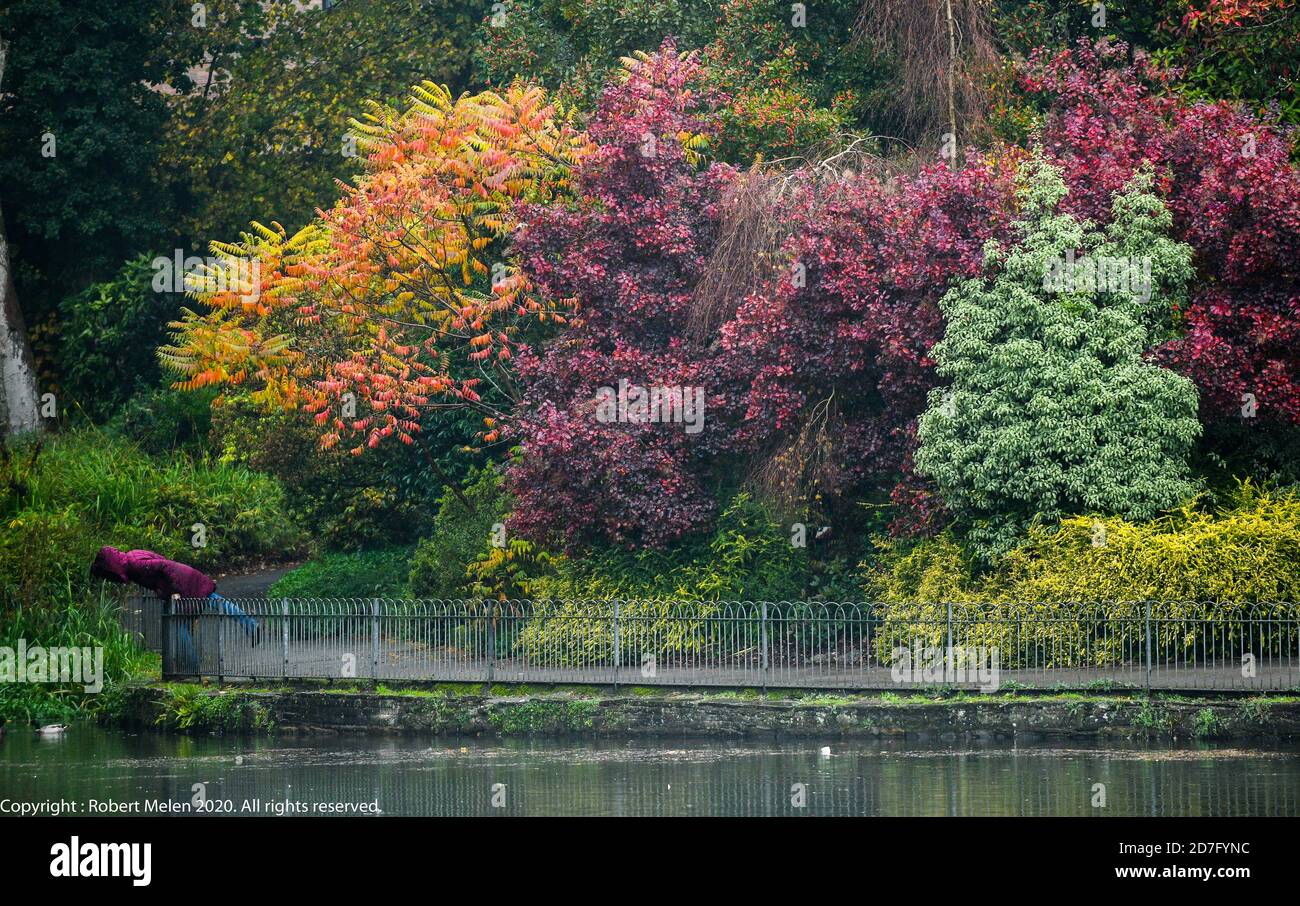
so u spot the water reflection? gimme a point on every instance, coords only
(477, 777)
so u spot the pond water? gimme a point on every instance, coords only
(145, 773)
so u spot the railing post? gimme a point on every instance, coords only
(165, 625)
(618, 658)
(949, 657)
(492, 642)
(374, 638)
(130, 615)
(284, 639)
(150, 622)
(1148, 647)
(221, 651)
(762, 645)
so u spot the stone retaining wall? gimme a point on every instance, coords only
(712, 715)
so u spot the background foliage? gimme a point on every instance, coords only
(551, 196)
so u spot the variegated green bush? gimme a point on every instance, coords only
(1051, 409)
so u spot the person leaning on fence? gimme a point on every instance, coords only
(171, 580)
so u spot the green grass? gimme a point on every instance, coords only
(65, 497)
(87, 622)
(365, 574)
(191, 708)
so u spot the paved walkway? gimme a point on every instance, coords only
(251, 585)
(234, 656)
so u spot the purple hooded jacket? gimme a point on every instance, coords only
(153, 571)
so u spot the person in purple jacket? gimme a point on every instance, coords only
(168, 579)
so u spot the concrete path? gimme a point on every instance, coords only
(234, 656)
(251, 585)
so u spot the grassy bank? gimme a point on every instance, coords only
(88, 620)
(65, 496)
(461, 709)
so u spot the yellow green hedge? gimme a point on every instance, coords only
(1238, 556)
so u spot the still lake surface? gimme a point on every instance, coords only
(444, 777)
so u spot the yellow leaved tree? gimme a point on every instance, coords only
(399, 298)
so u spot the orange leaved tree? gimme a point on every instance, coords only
(399, 299)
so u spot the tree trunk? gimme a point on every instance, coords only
(18, 401)
(952, 83)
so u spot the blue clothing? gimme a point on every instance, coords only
(187, 655)
(233, 610)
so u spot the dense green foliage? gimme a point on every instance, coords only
(748, 557)
(161, 419)
(269, 138)
(462, 531)
(350, 502)
(788, 88)
(110, 333)
(81, 131)
(86, 489)
(378, 573)
(1051, 409)
(552, 42)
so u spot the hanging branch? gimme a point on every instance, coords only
(941, 48)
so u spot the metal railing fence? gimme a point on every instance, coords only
(141, 617)
(1165, 645)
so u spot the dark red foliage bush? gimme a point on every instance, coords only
(855, 332)
(628, 256)
(821, 371)
(1235, 198)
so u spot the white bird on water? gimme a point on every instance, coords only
(826, 752)
(51, 730)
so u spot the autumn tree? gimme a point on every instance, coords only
(396, 301)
